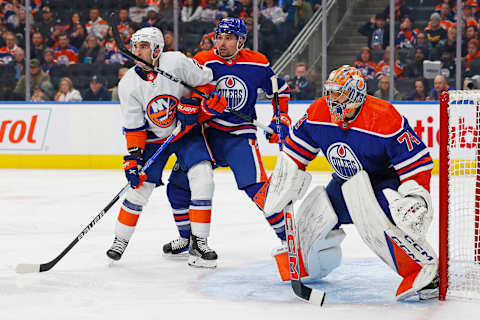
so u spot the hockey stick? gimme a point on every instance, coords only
(129, 54)
(29, 268)
(303, 292)
(276, 103)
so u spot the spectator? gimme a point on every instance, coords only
(383, 89)
(415, 68)
(18, 27)
(421, 89)
(448, 66)
(121, 73)
(376, 31)
(65, 53)
(11, 44)
(303, 13)
(96, 91)
(471, 33)
(152, 19)
(91, 52)
(439, 85)
(206, 44)
(472, 55)
(273, 12)
(211, 12)
(76, 31)
(401, 11)
(191, 10)
(365, 65)
(46, 25)
(300, 86)
(407, 37)
(138, 12)
(447, 14)
(168, 39)
(383, 67)
(6, 58)
(66, 91)
(468, 15)
(19, 63)
(96, 26)
(123, 25)
(434, 30)
(48, 60)
(37, 77)
(37, 46)
(449, 44)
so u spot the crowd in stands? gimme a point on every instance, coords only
(74, 56)
(425, 49)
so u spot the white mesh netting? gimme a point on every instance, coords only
(464, 194)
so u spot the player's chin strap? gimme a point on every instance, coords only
(239, 47)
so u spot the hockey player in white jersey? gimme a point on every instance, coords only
(152, 107)
(381, 184)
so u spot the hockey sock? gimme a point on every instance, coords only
(257, 193)
(200, 213)
(179, 199)
(127, 219)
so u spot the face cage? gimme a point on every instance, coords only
(339, 110)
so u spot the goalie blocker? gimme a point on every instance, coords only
(402, 247)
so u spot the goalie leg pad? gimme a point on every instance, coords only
(287, 184)
(415, 261)
(325, 254)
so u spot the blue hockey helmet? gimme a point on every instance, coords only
(234, 26)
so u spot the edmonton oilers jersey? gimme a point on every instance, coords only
(238, 81)
(379, 141)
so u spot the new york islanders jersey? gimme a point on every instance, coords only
(379, 141)
(238, 81)
(149, 101)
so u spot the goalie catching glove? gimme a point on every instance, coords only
(411, 208)
(132, 166)
(285, 123)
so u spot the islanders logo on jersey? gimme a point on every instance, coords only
(161, 110)
(234, 90)
(343, 160)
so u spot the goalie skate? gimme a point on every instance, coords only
(118, 247)
(200, 254)
(177, 248)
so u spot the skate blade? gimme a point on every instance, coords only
(197, 262)
(178, 256)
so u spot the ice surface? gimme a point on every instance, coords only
(42, 211)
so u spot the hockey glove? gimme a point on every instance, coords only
(215, 105)
(285, 122)
(132, 167)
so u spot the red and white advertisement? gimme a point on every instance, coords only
(23, 128)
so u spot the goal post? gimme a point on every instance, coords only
(459, 194)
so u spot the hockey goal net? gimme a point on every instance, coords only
(459, 247)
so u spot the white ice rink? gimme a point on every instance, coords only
(42, 211)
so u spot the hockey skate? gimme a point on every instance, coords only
(177, 248)
(430, 291)
(118, 247)
(201, 255)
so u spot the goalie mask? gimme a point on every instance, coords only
(345, 90)
(151, 35)
(234, 26)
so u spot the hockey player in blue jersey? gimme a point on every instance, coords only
(381, 184)
(237, 74)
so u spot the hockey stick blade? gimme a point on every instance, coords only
(308, 294)
(27, 268)
(114, 21)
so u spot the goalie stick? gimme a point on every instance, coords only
(116, 35)
(29, 268)
(301, 291)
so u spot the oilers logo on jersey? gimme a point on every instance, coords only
(343, 160)
(161, 110)
(234, 90)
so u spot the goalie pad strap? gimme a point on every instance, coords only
(287, 184)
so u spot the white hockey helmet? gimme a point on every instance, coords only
(344, 81)
(151, 35)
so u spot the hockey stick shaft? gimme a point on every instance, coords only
(276, 103)
(129, 54)
(303, 292)
(28, 268)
